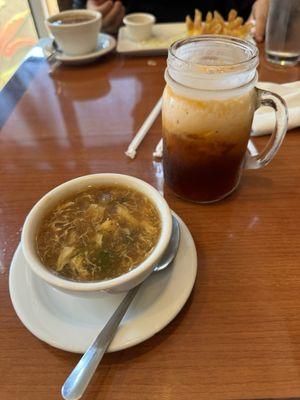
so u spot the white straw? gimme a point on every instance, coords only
(131, 151)
(158, 152)
(252, 148)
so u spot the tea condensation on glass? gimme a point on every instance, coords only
(208, 107)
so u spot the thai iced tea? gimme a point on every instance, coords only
(205, 142)
(208, 107)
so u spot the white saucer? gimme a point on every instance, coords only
(71, 323)
(106, 43)
(163, 35)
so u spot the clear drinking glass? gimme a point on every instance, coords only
(283, 32)
(208, 107)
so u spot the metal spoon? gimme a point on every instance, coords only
(81, 375)
(52, 60)
(55, 50)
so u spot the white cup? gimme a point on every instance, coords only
(139, 25)
(76, 38)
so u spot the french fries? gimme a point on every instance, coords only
(216, 25)
(189, 25)
(232, 15)
(198, 22)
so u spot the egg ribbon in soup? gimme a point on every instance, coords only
(99, 233)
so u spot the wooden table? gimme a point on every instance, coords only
(238, 337)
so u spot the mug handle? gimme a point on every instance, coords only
(266, 98)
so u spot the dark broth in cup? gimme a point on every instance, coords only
(73, 19)
(99, 233)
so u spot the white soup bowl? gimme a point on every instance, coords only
(119, 284)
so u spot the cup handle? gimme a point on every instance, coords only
(266, 98)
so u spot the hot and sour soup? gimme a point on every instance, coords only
(98, 233)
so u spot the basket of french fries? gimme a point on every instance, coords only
(215, 24)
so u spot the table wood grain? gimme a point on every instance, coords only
(238, 336)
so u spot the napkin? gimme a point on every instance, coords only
(264, 118)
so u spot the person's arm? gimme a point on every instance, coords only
(112, 13)
(259, 14)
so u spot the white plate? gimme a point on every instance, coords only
(106, 43)
(163, 35)
(71, 323)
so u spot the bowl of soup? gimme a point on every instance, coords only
(97, 233)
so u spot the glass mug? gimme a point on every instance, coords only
(208, 107)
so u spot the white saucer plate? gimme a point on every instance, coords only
(106, 43)
(71, 323)
(163, 35)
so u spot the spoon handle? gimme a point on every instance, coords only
(78, 380)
